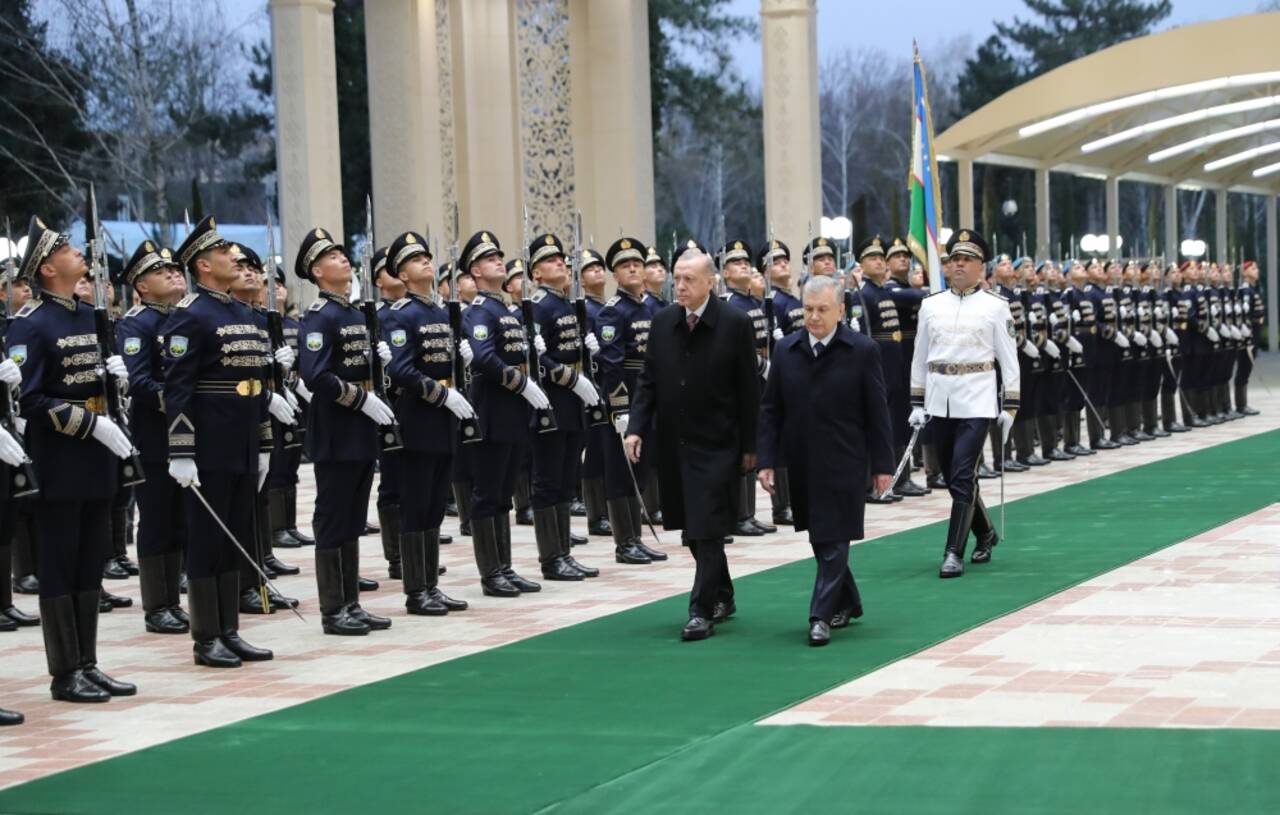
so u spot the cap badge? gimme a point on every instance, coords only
(626, 244)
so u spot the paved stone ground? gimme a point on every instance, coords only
(176, 698)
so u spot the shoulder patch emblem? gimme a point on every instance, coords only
(478, 301)
(177, 345)
(399, 337)
(135, 311)
(401, 303)
(608, 333)
(480, 332)
(30, 306)
(188, 300)
(315, 341)
(132, 345)
(613, 301)
(1008, 324)
(539, 295)
(318, 304)
(18, 354)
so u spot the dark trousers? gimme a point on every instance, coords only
(1099, 385)
(711, 581)
(617, 480)
(389, 470)
(285, 462)
(427, 476)
(555, 468)
(162, 524)
(495, 464)
(1244, 366)
(959, 443)
(593, 460)
(834, 588)
(342, 500)
(75, 538)
(230, 495)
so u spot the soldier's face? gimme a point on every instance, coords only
(552, 272)
(873, 266)
(628, 275)
(593, 278)
(84, 289)
(967, 271)
(738, 273)
(822, 312)
(694, 279)
(489, 271)
(333, 270)
(899, 263)
(780, 271)
(391, 287)
(757, 284)
(416, 270)
(21, 294)
(655, 274)
(466, 288)
(67, 265)
(159, 286)
(247, 281)
(824, 265)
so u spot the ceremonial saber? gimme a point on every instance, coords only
(902, 465)
(644, 513)
(196, 490)
(1177, 383)
(1085, 395)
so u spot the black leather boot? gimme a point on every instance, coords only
(62, 652)
(624, 546)
(524, 510)
(351, 588)
(502, 525)
(484, 541)
(1025, 445)
(546, 533)
(984, 531)
(1150, 422)
(87, 633)
(638, 528)
(957, 540)
(157, 617)
(206, 632)
(172, 581)
(462, 497)
(334, 618)
(389, 520)
(1049, 440)
(563, 517)
(278, 518)
(598, 522)
(432, 571)
(229, 620)
(413, 560)
(10, 616)
(291, 514)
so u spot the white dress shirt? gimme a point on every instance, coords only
(960, 339)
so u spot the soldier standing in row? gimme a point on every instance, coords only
(592, 273)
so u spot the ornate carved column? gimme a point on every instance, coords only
(792, 148)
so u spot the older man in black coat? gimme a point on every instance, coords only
(825, 412)
(699, 386)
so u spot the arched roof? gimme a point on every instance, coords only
(1162, 108)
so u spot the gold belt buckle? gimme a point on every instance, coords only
(950, 369)
(249, 387)
(897, 336)
(96, 404)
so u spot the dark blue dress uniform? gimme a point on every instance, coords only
(598, 436)
(1253, 313)
(389, 512)
(622, 328)
(788, 311)
(282, 478)
(828, 411)
(498, 376)
(161, 519)
(753, 307)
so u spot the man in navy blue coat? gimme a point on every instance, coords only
(826, 412)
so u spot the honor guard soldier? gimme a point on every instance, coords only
(1170, 303)
(1152, 326)
(216, 406)
(788, 314)
(514, 286)
(1254, 313)
(15, 486)
(1031, 363)
(342, 429)
(282, 481)
(390, 291)
(1049, 322)
(556, 454)
(76, 449)
(622, 328)
(965, 335)
(592, 273)
(162, 535)
(735, 267)
(820, 257)
(655, 279)
(428, 406)
(502, 392)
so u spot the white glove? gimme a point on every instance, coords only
(1124, 311)
(1051, 348)
(534, 395)
(777, 333)
(303, 390)
(593, 344)
(539, 344)
(377, 410)
(384, 352)
(1156, 342)
(291, 399)
(1030, 350)
(464, 351)
(1214, 309)
(183, 471)
(285, 356)
(116, 367)
(1140, 339)
(280, 410)
(1170, 336)
(1122, 340)
(1213, 334)
(1075, 315)
(1235, 332)
(918, 417)
(587, 392)
(620, 423)
(264, 465)
(11, 452)
(855, 325)
(10, 373)
(1005, 421)
(1074, 346)
(20, 424)
(112, 437)
(1053, 319)
(457, 404)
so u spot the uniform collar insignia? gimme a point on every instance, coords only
(341, 300)
(163, 308)
(220, 296)
(69, 303)
(964, 292)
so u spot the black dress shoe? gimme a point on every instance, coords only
(367, 584)
(841, 618)
(374, 622)
(558, 569)
(6, 624)
(26, 584)
(1015, 466)
(1197, 422)
(278, 566)
(723, 611)
(747, 529)
(104, 605)
(982, 552)
(76, 687)
(523, 584)
(650, 552)
(342, 624)
(128, 565)
(1059, 455)
(8, 718)
(1105, 444)
(445, 540)
(587, 571)
(1159, 433)
(698, 628)
(371, 529)
(628, 552)
(213, 654)
(1078, 450)
(498, 586)
(910, 489)
(394, 571)
(116, 600)
(524, 517)
(281, 539)
(111, 570)
(1125, 440)
(599, 526)
(783, 517)
(874, 497)
(451, 509)
(1177, 427)
(19, 617)
(577, 509)
(936, 482)
(422, 604)
(442, 570)
(819, 633)
(447, 601)
(279, 602)
(112, 686)
(578, 540)
(986, 472)
(299, 538)
(244, 650)
(180, 615)
(251, 602)
(1033, 461)
(162, 621)
(1249, 410)
(765, 528)
(1142, 435)
(952, 566)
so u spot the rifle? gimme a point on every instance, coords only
(388, 435)
(769, 319)
(544, 418)
(291, 435)
(469, 429)
(22, 479)
(131, 468)
(721, 285)
(595, 414)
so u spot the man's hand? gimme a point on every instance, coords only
(1154, 339)
(593, 344)
(539, 344)
(918, 417)
(464, 349)
(587, 392)
(284, 357)
(1074, 346)
(183, 471)
(384, 352)
(1030, 349)
(302, 389)
(1171, 336)
(1212, 334)
(620, 422)
(855, 325)
(112, 437)
(1122, 340)
(11, 452)
(1005, 421)
(534, 395)
(882, 482)
(377, 410)
(1140, 339)
(10, 373)
(1051, 348)
(458, 405)
(280, 410)
(116, 367)
(631, 446)
(765, 477)
(777, 334)
(748, 462)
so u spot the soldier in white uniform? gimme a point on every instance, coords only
(965, 334)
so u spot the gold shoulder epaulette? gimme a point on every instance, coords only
(28, 307)
(188, 300)
(317, 304)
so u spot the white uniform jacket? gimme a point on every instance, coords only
(961, 338)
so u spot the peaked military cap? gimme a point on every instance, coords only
(589, 258)
(819, 247)
(201, 239)
(898, 246)
(968, 242)
(690, 245)
(481, 245)
(316, 243)
(735, 250)
(408, 245)
(146, 258)
(873, 245)
(624, 249)
(515, 268)
(244, 254)
(543, 247)
(652, 256)
(771, 252)
(41, 243)
(378, 262)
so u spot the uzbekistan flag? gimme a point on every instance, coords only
(923, 183)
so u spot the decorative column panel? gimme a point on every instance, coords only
(404, 104)
(1220, 250)
(612, 125)
(444, 89)
(1171, 223)
(964, 183)
(306, 97)
(546, 123)
(1112, 213)
(486, 118)
(1044, 230)
(792, 149)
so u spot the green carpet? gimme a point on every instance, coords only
(616, 715)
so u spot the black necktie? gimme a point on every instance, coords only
(817, 348)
